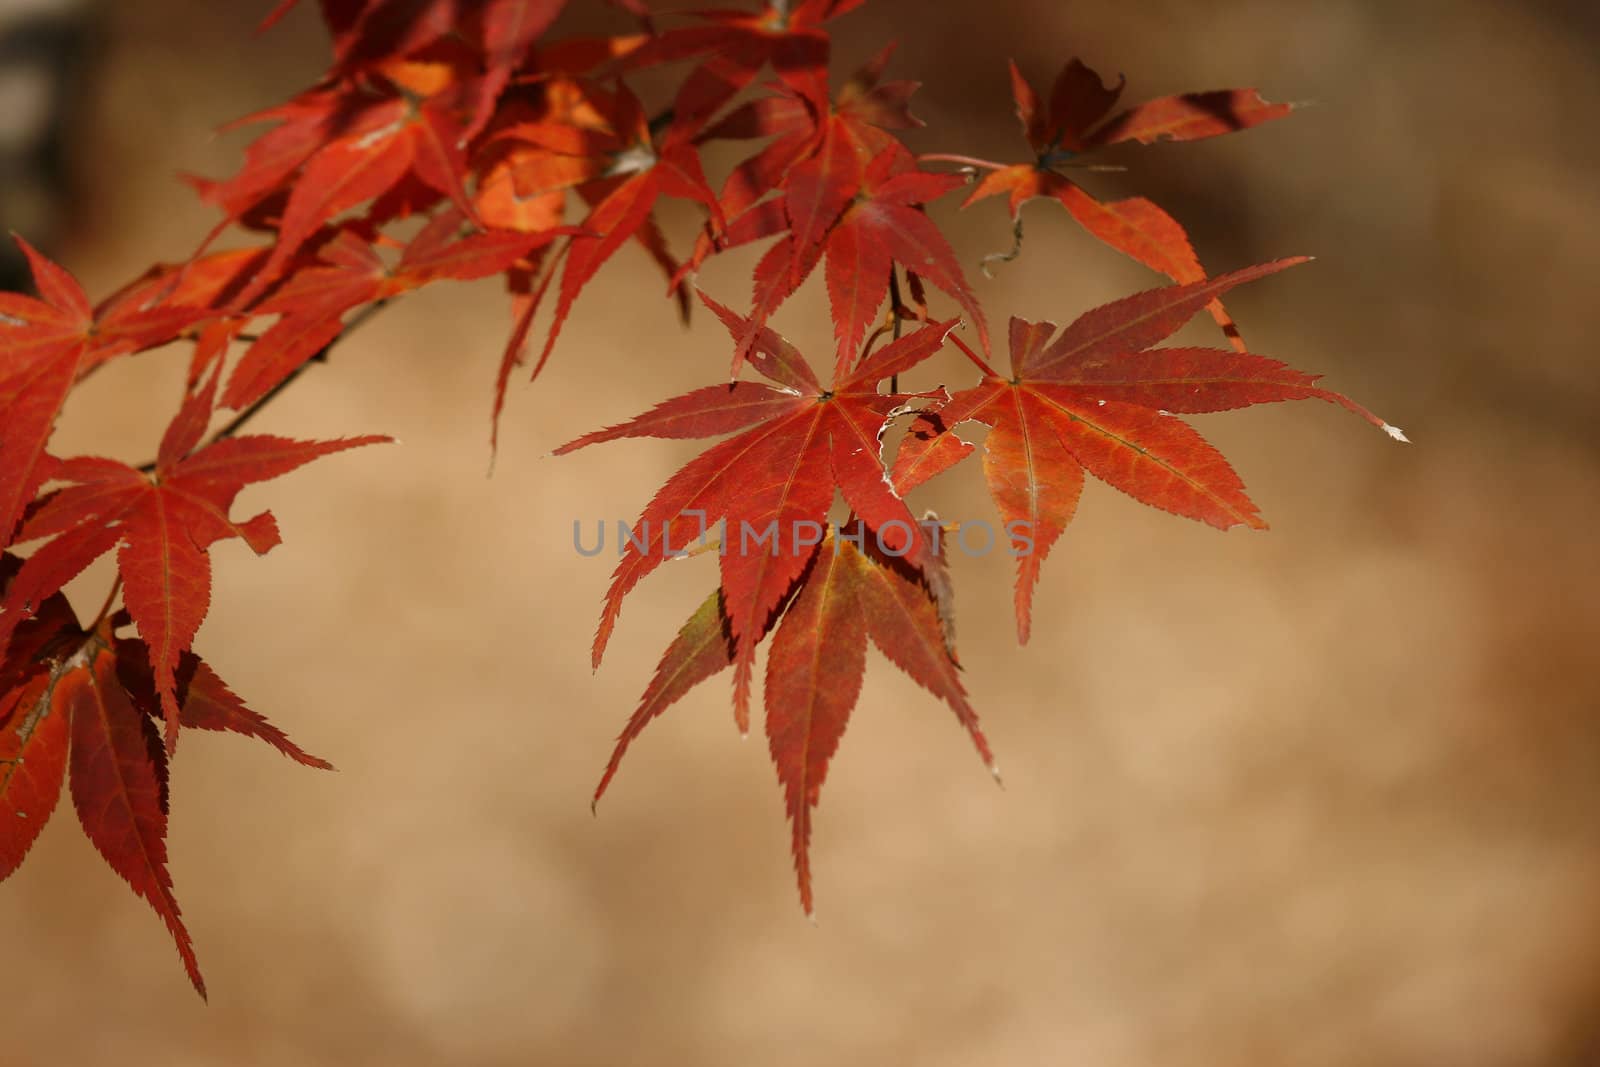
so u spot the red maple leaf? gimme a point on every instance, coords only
(91, 695)
(205, 700)
(792, 121)
(881, 225)
(33, 762)
(802, 125)
(843, 595)
(847, 191)
(400, 130)
(799, 443)
(33, 733)
(623, 170)
(46, 346)
(1099, 398)
(118, 781)
(1075, 122)
(849, 151)
(85, 713)
(164, 522)
(349, 272)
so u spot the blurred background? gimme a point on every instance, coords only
(1324, 795)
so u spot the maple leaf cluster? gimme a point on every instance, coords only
(457, 142)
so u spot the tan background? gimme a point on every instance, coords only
(1326, 795)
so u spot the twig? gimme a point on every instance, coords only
(239, 421)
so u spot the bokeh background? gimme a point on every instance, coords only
(1324, 795)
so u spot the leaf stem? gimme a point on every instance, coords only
(661, 121)
(91, 632)
(959, 343)
(896, 312)
(965, 161)
(105, 609)
(1007, 256)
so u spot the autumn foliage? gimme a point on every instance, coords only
(460, 141)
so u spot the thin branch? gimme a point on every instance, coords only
(239, 421)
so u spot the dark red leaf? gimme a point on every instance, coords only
(206, 701)
(33, 761)
(809, 445)
(119, 787)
